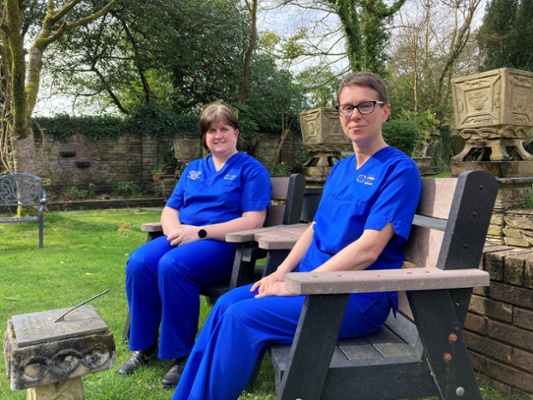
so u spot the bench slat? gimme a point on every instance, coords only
(384, 280)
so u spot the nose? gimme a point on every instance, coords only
(355, 114)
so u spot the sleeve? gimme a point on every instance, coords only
(175, 200)
(257, 188)
(397, 201)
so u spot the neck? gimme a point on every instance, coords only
(220, 159)
(363, 151)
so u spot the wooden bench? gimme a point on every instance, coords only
(422, 351)
(286, 207)
(22, 190)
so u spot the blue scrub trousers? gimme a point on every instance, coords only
(163, 289)
(238, 330)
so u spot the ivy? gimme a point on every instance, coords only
(150, 119)
(62, 126)
(157, 121)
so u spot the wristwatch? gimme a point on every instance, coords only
(202, 234)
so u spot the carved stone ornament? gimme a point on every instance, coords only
(39, 351)
(494, 111)
(324, 139)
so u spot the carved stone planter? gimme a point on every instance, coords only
(185, 151)
(323, 137)
(494, 111)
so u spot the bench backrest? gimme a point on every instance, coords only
(286, 200)
(430, 243)
(20, 190)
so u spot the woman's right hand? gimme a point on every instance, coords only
(271, 285)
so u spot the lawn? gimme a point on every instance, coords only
(84, 254)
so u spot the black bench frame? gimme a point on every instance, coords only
(22, 190)
(419, 354)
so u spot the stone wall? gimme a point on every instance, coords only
(130, 158)
(499, 326)
(81, 161)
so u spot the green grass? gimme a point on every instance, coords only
(85, 253)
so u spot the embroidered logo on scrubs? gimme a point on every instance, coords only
(230, 177)
(370, 180)
(194, 175)
(367, 180)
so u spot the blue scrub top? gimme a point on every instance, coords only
(204, 196)
(386, 188)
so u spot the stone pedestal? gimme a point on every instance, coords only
(516, 184)
(324, 139)
(49, 358)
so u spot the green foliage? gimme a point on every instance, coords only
(427, 124)
(153, 119)
(493, 35)
(63, 126)
(73, 193)
(127, 189)
(401, 134)
(281, 169)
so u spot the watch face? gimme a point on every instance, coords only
(202, 233)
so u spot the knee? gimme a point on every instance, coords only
(135, 263)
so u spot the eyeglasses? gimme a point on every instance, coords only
(364, 108)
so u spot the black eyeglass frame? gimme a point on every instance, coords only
(343, 114)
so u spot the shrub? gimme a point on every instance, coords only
(401, 134)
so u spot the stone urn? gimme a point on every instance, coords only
(185, 151)
(494, 113)
(324, 139)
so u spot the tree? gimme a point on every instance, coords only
(364, 25)
(428, 47)
(23, 78)
(176, 53)
(493, 35)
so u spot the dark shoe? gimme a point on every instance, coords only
(171, 379)
(136, 359)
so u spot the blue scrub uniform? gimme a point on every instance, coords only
(162, 281)
(386, 189)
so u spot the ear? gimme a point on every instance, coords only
(386, 112)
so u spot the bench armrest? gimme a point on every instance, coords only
(384, 280)
(152, 227)
(250, 234)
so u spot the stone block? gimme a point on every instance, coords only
(511, 335)
(510, 294)
(528, 274)
(34, 358)
(491, 348)
(491, 309)
(523, 318)
(511, 376)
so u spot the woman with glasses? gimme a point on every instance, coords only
(362, 222)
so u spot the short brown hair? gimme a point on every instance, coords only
(366, 79)
(216, 113)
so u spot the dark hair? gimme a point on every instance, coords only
(218, 113)
(366, 79)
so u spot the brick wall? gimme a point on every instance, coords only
(499, 326)
(103, 162)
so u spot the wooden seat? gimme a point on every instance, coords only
(22, 190)
(422, 351)
(286, 207)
